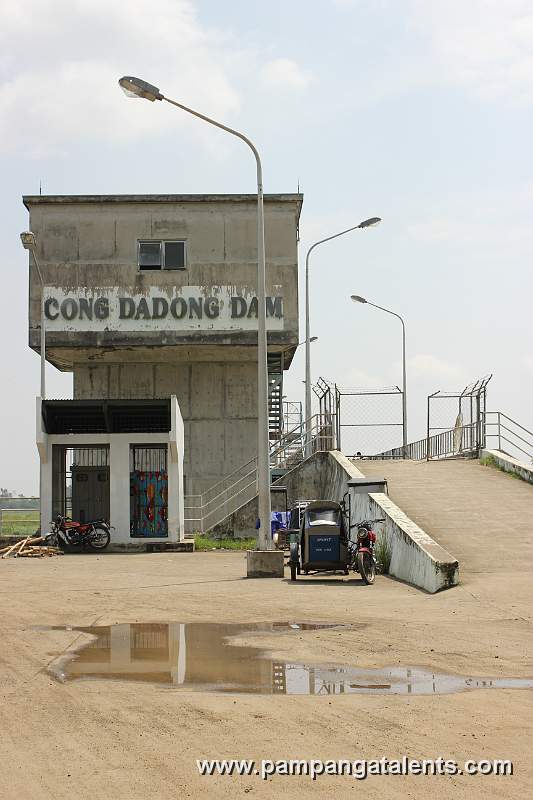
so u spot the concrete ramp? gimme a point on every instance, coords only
(481, 515)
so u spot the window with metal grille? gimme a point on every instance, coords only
(161, 255)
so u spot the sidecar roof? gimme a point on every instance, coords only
(324, 505)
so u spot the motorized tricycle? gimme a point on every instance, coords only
(325, 544)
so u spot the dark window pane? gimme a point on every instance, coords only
(150, 255)
(174, 255)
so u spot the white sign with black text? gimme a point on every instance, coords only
(188, 308)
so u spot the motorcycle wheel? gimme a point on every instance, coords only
(100, 538)
(293, 571)
(366, 567)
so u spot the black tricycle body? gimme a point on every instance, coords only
(324, 543)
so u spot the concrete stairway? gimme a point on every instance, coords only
(481, 515)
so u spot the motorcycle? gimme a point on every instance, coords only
(65, 531)
(361, 550)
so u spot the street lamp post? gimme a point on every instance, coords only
(295, 346)
(29, 243)
(135, 87)
(358, 299)
(367, 223)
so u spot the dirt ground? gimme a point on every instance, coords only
(113, 739)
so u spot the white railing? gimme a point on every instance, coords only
(505, 434)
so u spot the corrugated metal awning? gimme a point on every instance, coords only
(106, 416)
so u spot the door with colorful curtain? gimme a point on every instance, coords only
(148, 491)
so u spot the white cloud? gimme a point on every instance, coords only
(60, 61)
(282, 73)
(426, 365)
(495, 221)
(484, 45)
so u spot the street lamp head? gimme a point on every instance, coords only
(358, 299)
(135, 87)
(313, 338)
(369, 223)
(28, 240)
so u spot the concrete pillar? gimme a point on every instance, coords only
(119, 488)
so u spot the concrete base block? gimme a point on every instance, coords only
(170, 547)
(151, 547)
(264, 563)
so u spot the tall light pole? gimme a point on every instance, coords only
(358, 299)
(135, 87)
(29, 243)
(367, 223)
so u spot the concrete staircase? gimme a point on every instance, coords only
(206, 511)
(481, 515)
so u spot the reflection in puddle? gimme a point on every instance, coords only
(199, 656)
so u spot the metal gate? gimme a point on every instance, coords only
(80, 482)
(456, 421)
(368, 420)
(148, 491)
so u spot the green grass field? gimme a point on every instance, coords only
(227, 543)
(25, 521)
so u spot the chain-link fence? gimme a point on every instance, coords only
(368, 420)
(462, 412)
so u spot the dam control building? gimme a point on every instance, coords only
(150, 301)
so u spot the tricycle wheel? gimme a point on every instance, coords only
(293, 571)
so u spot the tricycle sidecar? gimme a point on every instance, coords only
(323, 540)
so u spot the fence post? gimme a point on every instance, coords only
(427, 434)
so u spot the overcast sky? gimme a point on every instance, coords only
(418, 111)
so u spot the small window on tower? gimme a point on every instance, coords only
(162, 255)
(174, 255)
(150, 255)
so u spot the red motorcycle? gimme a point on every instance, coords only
(362, 550)
(94, 535)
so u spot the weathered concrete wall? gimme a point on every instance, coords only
(91, 242)
(510, 464)
(218, 402)
(415, 557)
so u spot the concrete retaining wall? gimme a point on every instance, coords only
(414, 556)
(509, 464)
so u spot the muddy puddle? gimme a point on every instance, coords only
(202, 656)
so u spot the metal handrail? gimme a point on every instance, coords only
(220, 494)
(518, 425)
(440, 445)
(502, 429)
(472, 439)
(288, 451)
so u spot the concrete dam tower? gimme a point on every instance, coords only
(150, 301)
